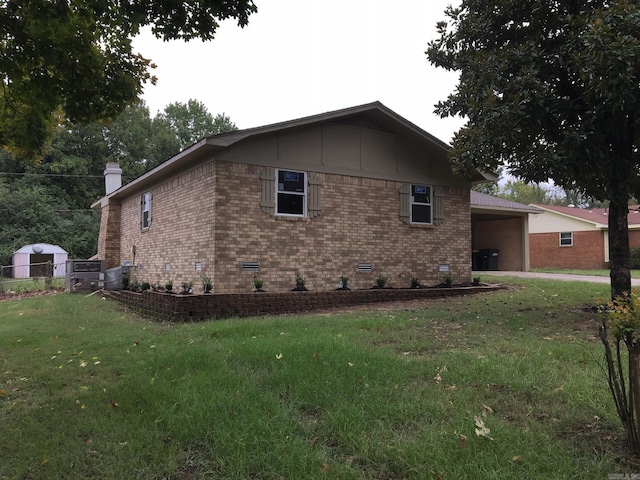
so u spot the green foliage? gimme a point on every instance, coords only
(192, 121)
(49, 201)
(381, 281)
(623, 324)
(258, 283)
(415, 282)
(624, 318)
(448, 280)
(75, 60)
(526, 193)
(207, 284)
(344, 282)
(299, 281)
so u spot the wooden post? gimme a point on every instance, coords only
(49, 273)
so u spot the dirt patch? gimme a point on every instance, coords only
(5, 296)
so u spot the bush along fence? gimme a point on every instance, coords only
(186, 308)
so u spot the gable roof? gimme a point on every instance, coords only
(371, 115)
(489, 202)
(44, 248)
(595, 216)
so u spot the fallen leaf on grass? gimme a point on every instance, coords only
(487, 409)
(463, 441)
(481, 429)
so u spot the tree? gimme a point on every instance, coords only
(550, 89)
(526, 193)
(192, 121)
(49, 201)
(74, 59)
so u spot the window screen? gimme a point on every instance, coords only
(566, 239)
(291, 189)
(421, 211)
(146, 210)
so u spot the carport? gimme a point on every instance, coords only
(502, 227)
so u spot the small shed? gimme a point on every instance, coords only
(31, 260)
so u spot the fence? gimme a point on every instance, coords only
(43, 270)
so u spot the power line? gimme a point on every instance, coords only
(56, 175)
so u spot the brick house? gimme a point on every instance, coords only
(359, 192)
(574, 238)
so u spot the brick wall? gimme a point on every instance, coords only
(504, 235)
(587, 251)
(180, 233)
(109, 236)
(212, 215)
(183, 308)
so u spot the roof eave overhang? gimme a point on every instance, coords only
(216, 143)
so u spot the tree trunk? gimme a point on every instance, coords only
(619, 260)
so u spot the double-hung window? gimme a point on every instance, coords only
(566, 239)
(291, 193)
(145, 211)
(421, 206)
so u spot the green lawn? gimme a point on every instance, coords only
(88, 390)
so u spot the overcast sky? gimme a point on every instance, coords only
(304, 57)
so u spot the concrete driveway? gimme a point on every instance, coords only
(553, 276)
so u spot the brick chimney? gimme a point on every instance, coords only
(112, 178)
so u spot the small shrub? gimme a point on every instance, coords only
(476, 281)
(207, 285)
(415, 282)
(299, 283)
(187, 288)
(448, 280)
(145, 286)
(381, 281)
(258, 284)
(126, 281)
(344, 282)
(168, 286)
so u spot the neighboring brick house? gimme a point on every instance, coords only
(359, 192)
(574, 238)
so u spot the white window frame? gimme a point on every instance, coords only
(281, 190)
(145, 208)
(413, 201)
(570, 238)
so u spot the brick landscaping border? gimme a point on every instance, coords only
(188, 308)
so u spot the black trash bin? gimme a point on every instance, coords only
(475, 260)
(489, 259)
